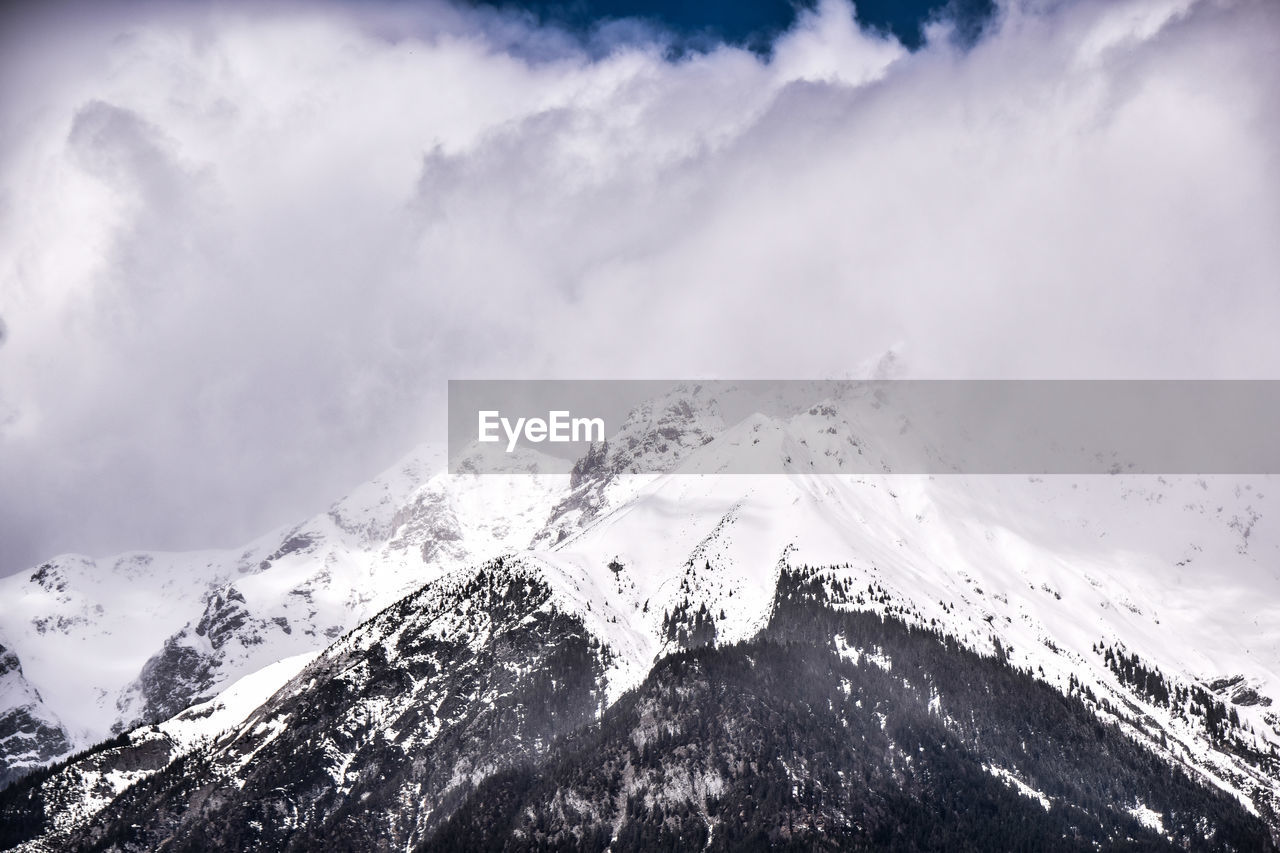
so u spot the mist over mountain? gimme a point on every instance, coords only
(243, 246)
(249, 253)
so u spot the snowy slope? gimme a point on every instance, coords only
(29, 730)
(107, 643)
(91, 783)
(113, 642)
(1082, 581)
(1181, 572)
(329, 575)
(480, 669)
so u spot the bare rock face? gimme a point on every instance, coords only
(656, 437)
(381, 737)
(185, 670)
(174, 678)
(30, 735)
(1236, 689)
(472, 716)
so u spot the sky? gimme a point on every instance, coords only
(244, 246)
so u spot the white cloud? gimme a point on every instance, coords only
(241, 250)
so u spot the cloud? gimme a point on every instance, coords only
(242, 249)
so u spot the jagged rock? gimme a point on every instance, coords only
(29, 734)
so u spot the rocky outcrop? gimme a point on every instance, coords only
(30, 735)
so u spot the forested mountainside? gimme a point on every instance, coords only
(1100, 647)
(834, 728)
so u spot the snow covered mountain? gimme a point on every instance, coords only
(30, 733)
(589, 690)
(97, 646)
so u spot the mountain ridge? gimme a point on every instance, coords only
(1092, 585)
